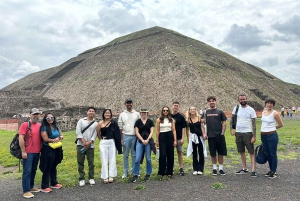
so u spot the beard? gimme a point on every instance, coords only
(243, 103)
(34, 120)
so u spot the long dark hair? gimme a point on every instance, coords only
(45, 123)
(106, 109)
(161, 118)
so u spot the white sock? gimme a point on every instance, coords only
(214, 166)
(220, 166)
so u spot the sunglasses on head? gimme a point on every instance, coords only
(49, 118)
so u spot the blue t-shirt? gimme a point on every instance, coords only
(55, 134)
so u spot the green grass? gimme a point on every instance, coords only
(288, 149)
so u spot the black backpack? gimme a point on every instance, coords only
(15, 148)
(234, 117)
(260, 155)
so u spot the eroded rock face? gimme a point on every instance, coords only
(154, 67)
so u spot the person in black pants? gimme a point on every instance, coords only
(166, 141)
(50, 157)
(196, 130)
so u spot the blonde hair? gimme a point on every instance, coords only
(188, 116)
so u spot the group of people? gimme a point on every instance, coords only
(133, 131)
(289, 111)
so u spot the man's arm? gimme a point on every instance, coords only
(253, 120)
(223, 127)
(232, 131)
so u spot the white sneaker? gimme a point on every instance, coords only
(92, 181)
(195, 173)
(81, 183)
(124, 176)
(200, 173)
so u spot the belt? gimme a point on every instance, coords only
(105, 138)
(268, 133)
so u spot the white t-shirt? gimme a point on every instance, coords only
(244, 119)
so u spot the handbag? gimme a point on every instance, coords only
(55, 145)
(234, 117)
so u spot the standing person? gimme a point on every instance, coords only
(245, 133)
(282, 111)
(108, 133)
(216, 125)
(50, 157)
(144, 128)
(299, 110)
(31, 148)
(126, 123)
(271, 121)
(195, 127)
(85, 145)
(290, 112)
(166, 141)
(180, 125)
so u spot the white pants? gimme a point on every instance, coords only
(108, 155)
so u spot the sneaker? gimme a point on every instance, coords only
(110, 180)
(35, 190)
(272, 175)
(134, 178)
(200, 173)
(124, 175)
(222, 172)
(28, 195)
(46, 190)
(242, 171)
(214, 172)
(147, 177)
(92, 182)
(253, 174)
(57, 186)
(181, 172)
(268, 174)
(81, 183)
(195, 173)
(105, 181)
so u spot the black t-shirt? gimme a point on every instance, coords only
(214, 119)
(180, 123)
(144, 128)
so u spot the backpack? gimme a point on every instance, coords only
(234, 117)
(15, 148)
(260, 155)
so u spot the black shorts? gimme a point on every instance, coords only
(217, 144)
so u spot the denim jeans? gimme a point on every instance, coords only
(140, 149)
(270, 143)
(29, 170)
(129, 142)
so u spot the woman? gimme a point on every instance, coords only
(166, 141)
(50, 157)
(271, 121)
(144, 130)
(196, 132)
(109, 135)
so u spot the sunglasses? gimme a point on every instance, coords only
(49, 118)
(165, 110)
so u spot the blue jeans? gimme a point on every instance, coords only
(129, 142)
(140, 149)
(270, 143)
(29, 170)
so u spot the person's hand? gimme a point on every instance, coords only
(232, 132)
(253, 139)
(24, 155)
(157, 144)
(145, 142)
(175, 143)
(204, 136)
(122, 142)
(181, 142)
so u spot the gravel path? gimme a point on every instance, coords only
(190, 187)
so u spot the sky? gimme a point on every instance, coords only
(36, 35)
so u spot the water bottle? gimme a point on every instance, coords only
(83, 149)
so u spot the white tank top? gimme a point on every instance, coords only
(268, 122)
(166, 126)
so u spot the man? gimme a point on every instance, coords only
(31, 147)
(245, 133)
(126, 123)
(86, 134)
(180, 125)
(216, 125)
